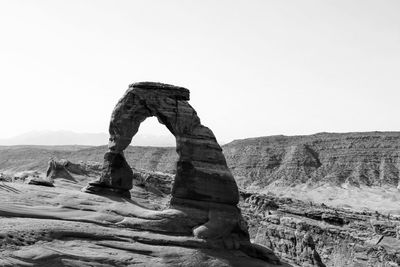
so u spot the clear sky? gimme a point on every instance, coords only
(254, 68)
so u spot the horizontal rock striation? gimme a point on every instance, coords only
(310, 234)
(204, 192)
(302, 233)
(201, 170)
(370, 159)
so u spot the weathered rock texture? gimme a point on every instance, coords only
(303, 233)
(201, 170)
(370, 159)
(39, 181)
(61, 226)
(204, 193)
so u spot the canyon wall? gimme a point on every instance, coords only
(355, 158)
(370, 159)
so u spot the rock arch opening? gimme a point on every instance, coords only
(153, 134)
(201, 170)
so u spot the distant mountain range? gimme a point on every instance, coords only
(55, 138)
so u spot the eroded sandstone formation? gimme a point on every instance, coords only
(201, 170)
(204, 193)
(304, 232)
(61, 226)
(356, 159)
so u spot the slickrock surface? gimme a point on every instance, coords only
(202, 225)
(302, 233)
(353, 174)
(62, 226)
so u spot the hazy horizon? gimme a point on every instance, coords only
(65, 137)
(254, 68)
(69, 138)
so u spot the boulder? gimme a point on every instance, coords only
(35, 180)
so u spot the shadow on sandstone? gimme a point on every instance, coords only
(201, 217)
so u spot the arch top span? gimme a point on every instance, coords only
(202, 173)
(177, 92)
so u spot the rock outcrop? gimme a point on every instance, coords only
(35, 180)
(204, 192)
(299, 232)
(61, 226)
(357, 159)
(201, 173)
(68, 170)
(304, 233)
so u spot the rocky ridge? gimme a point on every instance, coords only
(369, 158)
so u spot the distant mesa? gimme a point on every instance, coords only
(358, 159)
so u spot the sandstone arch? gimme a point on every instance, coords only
(204, 195)
(202, 173)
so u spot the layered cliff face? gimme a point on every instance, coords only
(355, 159)
(310, 234)
(357, 168)
(358, 159)
(360, 170)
